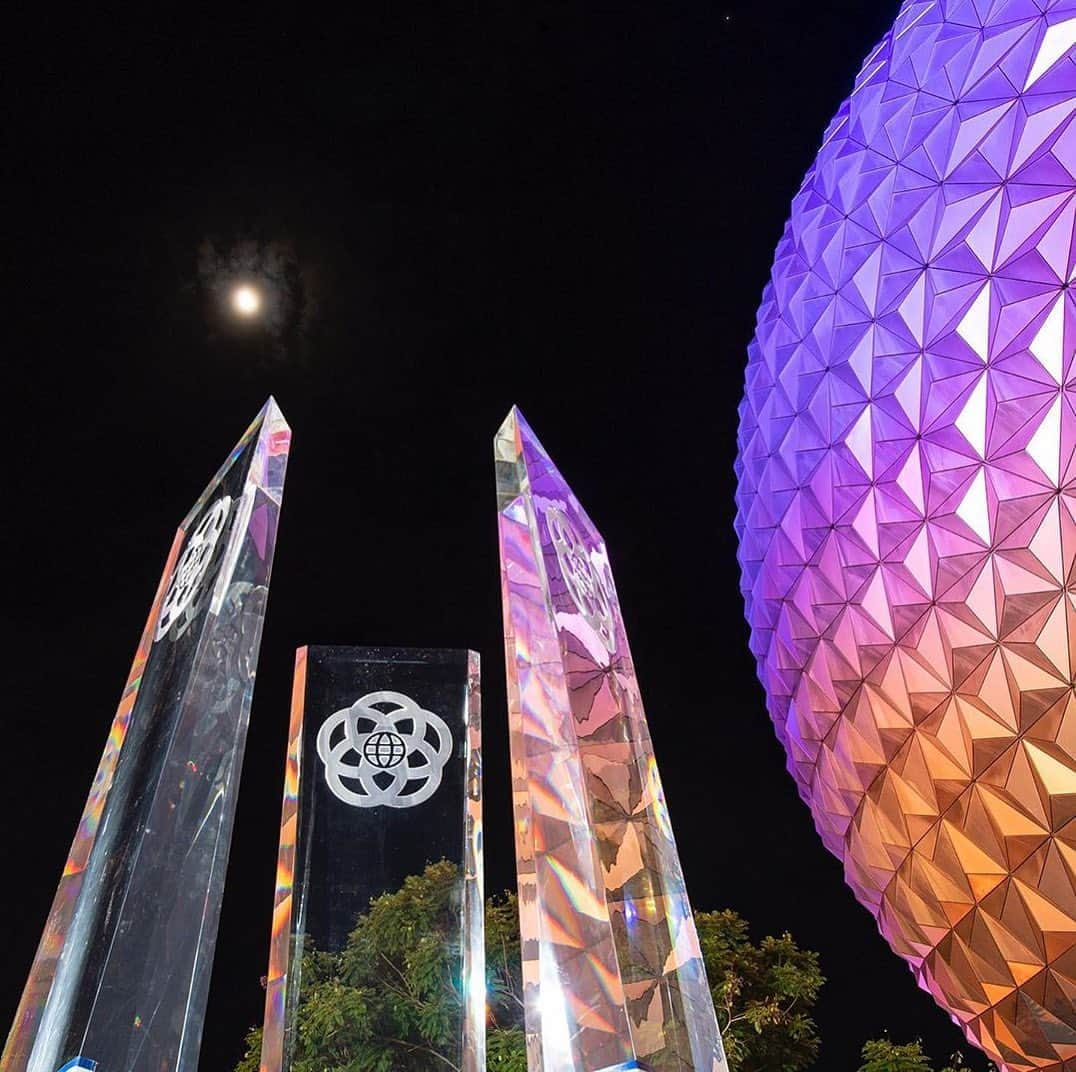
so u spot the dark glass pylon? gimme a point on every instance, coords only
(121, 975)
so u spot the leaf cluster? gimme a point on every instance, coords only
(884, 1055)
(391, 1000)
(763, 993)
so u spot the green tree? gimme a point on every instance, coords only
(251, 1058)
(763, 994)
(388, 1002)
(505, 1045)
(884, 1055)
(957, 1064)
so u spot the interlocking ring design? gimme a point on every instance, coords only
(382, 757)
(192, 567)
(589, 589)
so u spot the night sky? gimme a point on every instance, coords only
(524, 204)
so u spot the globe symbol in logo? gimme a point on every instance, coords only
(384, 750)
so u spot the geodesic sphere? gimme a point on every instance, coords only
(907, 508)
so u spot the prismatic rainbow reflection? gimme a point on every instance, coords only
(612, 970)
(121, 974)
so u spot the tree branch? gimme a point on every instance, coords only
(508, 975)
(424, 1049)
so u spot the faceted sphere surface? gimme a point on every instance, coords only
(907, 508)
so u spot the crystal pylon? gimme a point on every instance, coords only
(382, 814)
(613, 973)
(121, 974)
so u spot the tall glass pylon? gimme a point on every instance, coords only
(121, 975)
(613, 973)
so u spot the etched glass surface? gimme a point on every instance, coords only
(383, 781)
(121, 975)
(612, 967)
(388, 747)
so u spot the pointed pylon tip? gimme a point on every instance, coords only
(508, 425)
(272, 413)
(515, 420)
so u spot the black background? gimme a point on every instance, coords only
(571, 208)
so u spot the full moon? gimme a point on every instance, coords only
(246, 301)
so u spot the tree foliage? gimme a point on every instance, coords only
(884, 1055)
(505, 1046)
(763, 994)
(390, 1001)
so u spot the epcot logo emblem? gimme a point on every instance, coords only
(180, 600)
(588, 588)
(391, 749)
